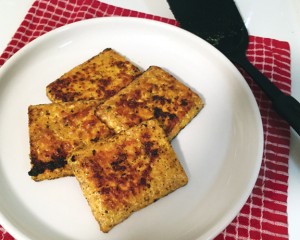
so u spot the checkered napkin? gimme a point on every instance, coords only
(264, 216)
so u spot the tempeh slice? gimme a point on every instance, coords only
(126, 172)
(154, 94)
(99, 78)
(55, 130)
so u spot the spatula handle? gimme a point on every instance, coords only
(286, 106)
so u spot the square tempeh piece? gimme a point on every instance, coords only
(55, 130)
(99, 78)
(154, 94)
(126, 172)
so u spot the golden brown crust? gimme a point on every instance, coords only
(126, 172)
(55, 130)
(156, 94)
(96, 79)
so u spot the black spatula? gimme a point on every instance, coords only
(220, 23)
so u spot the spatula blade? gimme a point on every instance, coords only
(216, 21)
(220, 23)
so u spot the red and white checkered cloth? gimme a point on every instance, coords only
(264, 216)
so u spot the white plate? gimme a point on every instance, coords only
(221, 149)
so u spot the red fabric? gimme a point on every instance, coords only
(45, 16)
(264, 216)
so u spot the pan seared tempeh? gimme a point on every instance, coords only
(55, 130)
(96, 79)
(126, 172)
(156, 94)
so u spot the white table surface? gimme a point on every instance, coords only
(279, 19)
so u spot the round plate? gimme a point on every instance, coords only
(221, 149)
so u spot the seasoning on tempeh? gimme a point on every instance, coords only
(156, 94)
(126, 172)
(99, 78)
(55, 130)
